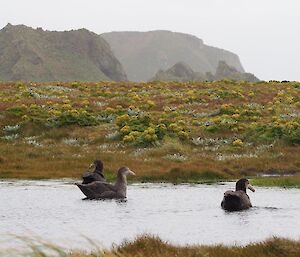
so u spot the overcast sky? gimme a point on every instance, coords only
(264, 33)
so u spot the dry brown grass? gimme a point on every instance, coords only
(58, 160)
(155, 247)
(151, 246)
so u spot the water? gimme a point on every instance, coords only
(183, 214)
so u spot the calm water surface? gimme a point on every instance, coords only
(54, 210)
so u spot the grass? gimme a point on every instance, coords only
(177, 176)
(151, 246)
(177, 132)
(286, 182)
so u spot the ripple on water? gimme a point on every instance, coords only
(177, 213)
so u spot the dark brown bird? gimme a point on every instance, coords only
(96, 175)
(104, 190)
(237, 200)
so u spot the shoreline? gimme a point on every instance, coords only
(282, 181)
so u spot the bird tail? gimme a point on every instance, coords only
(85, 190)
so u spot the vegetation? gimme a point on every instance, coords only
(149, 246)
(285, 181)
(193, 131)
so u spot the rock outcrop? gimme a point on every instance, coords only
(226, 71)
(179, 72)
(183, 72)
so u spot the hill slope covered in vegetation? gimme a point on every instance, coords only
(183, 131)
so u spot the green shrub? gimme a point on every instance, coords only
(68, 119)
(17, 111)
(273, 132)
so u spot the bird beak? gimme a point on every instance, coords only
(130, 172)
(251, 188)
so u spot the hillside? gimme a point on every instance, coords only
(38, 55)
(183, 72)
(163, 130)
(142, 54)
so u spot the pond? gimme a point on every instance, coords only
(182, 214)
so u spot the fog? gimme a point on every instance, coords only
(265, 34)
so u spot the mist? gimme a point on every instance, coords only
(263, 33)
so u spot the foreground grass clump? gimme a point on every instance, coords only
(204, 130)
(154, 247)
(149, 246)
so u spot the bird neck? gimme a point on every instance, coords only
(240, 189)
(121, 185)
(98, 170)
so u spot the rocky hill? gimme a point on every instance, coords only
(142, 54)
(179, 72)
(183, 72)
(226, 71)
(38, 55)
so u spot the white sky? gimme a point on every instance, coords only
(264, 33)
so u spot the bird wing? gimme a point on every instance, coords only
(229, 192)
(231, 200)
(94, 189)
(245, 200)
(90, 177)
(236, 200)
(108, 195)
(87, 174)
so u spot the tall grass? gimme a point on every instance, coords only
(152, 246)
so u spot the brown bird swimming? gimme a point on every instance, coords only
(237, 200)
(96, 175)
(104, 190)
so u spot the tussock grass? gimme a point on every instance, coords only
(152, 246)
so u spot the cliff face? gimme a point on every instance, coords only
(38, 55)
(142, 54)
(183, 72)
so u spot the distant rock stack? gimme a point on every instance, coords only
(179, 72)
(182, 72)
(226, 71)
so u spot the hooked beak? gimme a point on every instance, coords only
(130, 172)
(251, 188)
